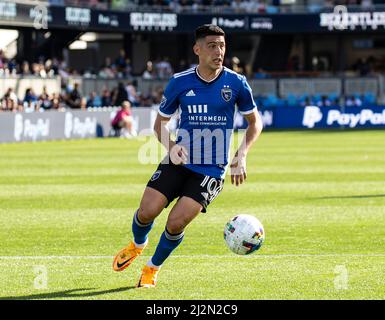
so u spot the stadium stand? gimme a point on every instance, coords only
(47, 82)
(238, 6)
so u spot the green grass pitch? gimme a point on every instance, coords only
(66, 208)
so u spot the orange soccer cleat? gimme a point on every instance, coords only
(148, 277)
(126, 256)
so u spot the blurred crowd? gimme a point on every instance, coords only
(121, 68)
(71, 97)
(357, 100)
(118, 68)
(204, 5)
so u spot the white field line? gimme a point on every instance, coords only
(199, 256)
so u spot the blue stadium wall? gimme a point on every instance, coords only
(53, 125)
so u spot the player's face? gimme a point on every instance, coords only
(211, 51)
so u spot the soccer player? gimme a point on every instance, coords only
(206, 97)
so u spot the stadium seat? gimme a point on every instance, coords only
(272, 9)
(292, 100)
(369, 98)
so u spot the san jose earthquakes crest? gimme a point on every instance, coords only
(156, 175)
(226, 93)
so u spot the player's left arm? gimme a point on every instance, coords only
(238, 164)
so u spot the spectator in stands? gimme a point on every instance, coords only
(44, 99)
(25, 71)
(30, 97)
(74, 97)
(38, 70)
(121, 61)
(106, 98)
(94, 100)
(353, 101)
(324, 101)
(306, 102)
(106, 70)
(55, 65)
(123, 121)
(57, 102)
(83, 103)
(3, 59)
(48, 68)
(237, 6)
(149, 72)
(11, 97)
(157, 94)
(146, 100)
(132, 93)
(64, 71)
(120, 94)
(236, 65)
(164, 69)
(128, 69)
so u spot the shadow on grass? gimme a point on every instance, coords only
(351, 197)
(74, 293)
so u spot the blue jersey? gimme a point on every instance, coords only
(206, 111)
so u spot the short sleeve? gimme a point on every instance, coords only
(245, 101)
(169, 104)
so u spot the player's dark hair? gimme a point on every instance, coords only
(208, 30)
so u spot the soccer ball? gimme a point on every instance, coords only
(244, 234)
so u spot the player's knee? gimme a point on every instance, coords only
(147, 214)
(175, 226)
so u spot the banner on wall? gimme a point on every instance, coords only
(43, 15)
(314, 117)
(54, 125)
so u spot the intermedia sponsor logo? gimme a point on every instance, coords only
(78, 16)
(153, 21)
(197, 113)
(8, 10)
(197, 108)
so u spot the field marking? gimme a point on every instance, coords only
(199, 256)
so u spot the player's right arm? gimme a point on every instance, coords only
(178, 154)
(167, 109)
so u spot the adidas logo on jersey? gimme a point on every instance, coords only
(191, 93)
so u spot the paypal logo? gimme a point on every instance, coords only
(311, 116)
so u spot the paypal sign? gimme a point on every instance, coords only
(311, 117)
(351, 117)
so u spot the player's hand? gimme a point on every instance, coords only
(178, 154)
(238, 170)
